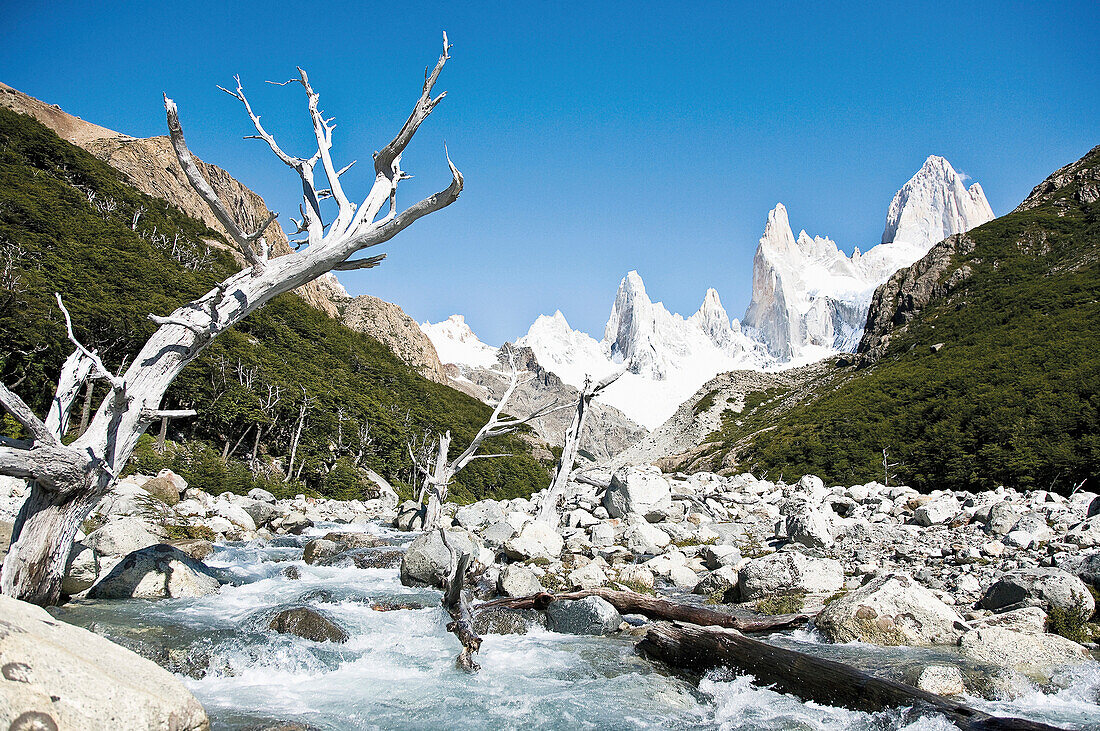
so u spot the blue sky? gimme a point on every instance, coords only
(595, 137)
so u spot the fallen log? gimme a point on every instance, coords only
(457, 605)
(810, 678)
(630, 602)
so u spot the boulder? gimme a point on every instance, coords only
(809, 527)
(261, 495)
(942, 680)
(719, 555)
(1035, 655)
(479, 515)
(1088, 570)
(503, 621)
(128, 499)
(57, 676)
(589, 616)
(937, 511)
(235, 514)
(295, 523)
(124, 536)
(683, 578)
(518, 580)
(721, 580)
(196, 548)
(156, 572)
(786, 572)
(166, 487)
(82, 571)
(496, 535)
(427, 562)
(642, 490)
(319, 549)
(536, 540)
(637, 577)
(1046, 587)
(890, 610)
(645, 539)
(410, 516)
(262, 513)
(587, 577)
(308, 624)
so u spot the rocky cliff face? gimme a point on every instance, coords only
(909, 291)
(1078, 182)
(150, 165)
(389, 324)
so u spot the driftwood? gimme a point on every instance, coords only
(629, 602)
(457, 605)
(810, 678)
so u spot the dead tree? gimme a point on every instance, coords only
(631, 602)
(549, 510)
(437, 478)
(457, 605)
(828, 682)
(67, 480)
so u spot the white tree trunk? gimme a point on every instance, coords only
(67, 481)
(549, 512)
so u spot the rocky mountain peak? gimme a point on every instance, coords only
(935, 204)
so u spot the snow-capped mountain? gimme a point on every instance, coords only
(809, 298)
(455, 342)
(669, 356)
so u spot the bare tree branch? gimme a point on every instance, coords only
(25, 416)
(206, 192)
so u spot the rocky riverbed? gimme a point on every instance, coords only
(324, 614)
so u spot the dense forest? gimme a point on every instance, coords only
(289, 381)
(1012, 397)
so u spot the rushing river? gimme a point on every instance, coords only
(397, 670)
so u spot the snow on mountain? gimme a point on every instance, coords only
(455, 342)
(570, 354)
(809, 298)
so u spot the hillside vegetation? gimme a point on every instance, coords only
(1011, 397)
(67, 225)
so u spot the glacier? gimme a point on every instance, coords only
(809, 301)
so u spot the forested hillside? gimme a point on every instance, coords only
(986, 366)
(70, 224)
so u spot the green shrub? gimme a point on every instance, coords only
(788, 603)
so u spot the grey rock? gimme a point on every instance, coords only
(410, 516)
(517, 580)
(942, 680)
(309, 624)
(788, 571)
(503, 621)
(496, 535)
(937, 511)
(809, 527)
(319, 549)
(479, 515)
(156, 572)
(124, 536)
(101, 685)
(427, 561)
(890, 610)
(263, 496)
(262, 513)
(589, 616)
(1035, 655)
(1047, 587)
(82, 571)
(536, 540)
(639, 490)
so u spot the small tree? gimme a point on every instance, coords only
(438, 476)
(549, 510)
(67, 480)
